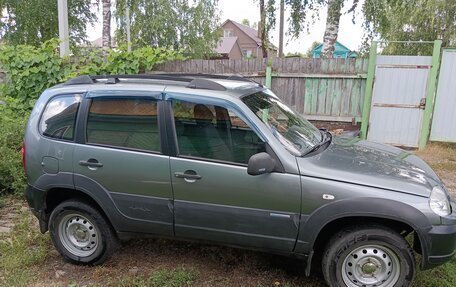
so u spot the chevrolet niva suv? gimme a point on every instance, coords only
(224, 160)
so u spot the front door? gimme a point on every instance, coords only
(215, 198)
(122, 155)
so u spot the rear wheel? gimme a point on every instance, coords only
(81, 234)
(368, 257)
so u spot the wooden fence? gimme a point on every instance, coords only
(320, 89)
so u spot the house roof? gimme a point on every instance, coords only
(249, 31)
(225, 45)
(338, 46)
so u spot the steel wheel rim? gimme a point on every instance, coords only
(371, 265)
(78, 235)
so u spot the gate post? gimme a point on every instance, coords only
(430, 95)
(369, 90)
(268, 80)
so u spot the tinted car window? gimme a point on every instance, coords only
(213, 132)
(59, 118)
(120, 122)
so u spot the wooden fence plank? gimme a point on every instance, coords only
(331, 88)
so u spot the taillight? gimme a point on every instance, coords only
(23, 155)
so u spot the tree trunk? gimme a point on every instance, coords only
(332, 28)
(262, 30)
(106, 40)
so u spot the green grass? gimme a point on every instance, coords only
(2, 201)
(442, 276)
(179, 277)
(22, 249)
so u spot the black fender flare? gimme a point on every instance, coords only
(361, 207)
(97, 193)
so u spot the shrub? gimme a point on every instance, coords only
(12, 177)
(30, 70)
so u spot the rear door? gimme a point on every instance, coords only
(123, 155)
(215, 198)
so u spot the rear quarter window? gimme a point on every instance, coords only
(59, 117)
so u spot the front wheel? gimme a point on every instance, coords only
(367, 257)
(80, 233)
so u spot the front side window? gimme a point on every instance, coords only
(124, 122)
(214, 132)
(59, 118)
(291, 129)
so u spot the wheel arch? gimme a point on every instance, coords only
(327, 220)
(57, 195)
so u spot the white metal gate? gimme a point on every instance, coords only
(398, 99)
(444, 118)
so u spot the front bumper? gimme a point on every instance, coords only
(37, 203)
(439, 242)
(441, 246)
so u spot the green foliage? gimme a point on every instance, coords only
(181, 24)
(12, 177)
(34, 21)
(30, 70)
(410, 20)
(309, 53)
(122, 62)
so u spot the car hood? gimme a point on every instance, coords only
(371, 164)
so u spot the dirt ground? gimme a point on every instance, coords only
(211, 265)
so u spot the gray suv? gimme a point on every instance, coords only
(223, 160)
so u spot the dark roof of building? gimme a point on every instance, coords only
(226, 44)
(249, 31)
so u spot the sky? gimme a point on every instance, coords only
(350, 35)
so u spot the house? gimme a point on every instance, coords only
(247, 39)
(340, 51)
(228, 48)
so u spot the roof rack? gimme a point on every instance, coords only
(196, 81)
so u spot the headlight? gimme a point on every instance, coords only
(438, 202)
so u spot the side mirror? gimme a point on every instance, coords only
(260, 163)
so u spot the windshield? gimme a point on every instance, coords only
(290, 128)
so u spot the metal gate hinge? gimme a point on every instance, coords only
(423, 103)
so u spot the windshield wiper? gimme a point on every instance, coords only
(326, 141)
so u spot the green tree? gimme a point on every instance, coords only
(309, 53)
(410, 20)
(34, 21)
(245, 22)
(178, 24)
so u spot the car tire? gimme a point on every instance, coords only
(81, 234)
(368, 256)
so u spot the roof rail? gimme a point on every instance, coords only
(112, 79)
(79, 80)
(206, 85)
(196, 81)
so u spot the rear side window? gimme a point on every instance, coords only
(121, 122)
(59, 117)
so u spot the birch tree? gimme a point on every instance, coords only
(332, 27)
(179, 24)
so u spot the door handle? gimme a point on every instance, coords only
(187, 175)
(90, 163)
